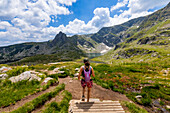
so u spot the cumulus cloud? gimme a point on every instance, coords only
(28, 20)
(100, 19)
(136, 8)
(119, 5)
(66, 2)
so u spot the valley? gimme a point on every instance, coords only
(131, 62)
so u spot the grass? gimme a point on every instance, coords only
(128, 78)
(16, 71)
(60, 107)
(133, 108)
(30, 106)
(19, 90)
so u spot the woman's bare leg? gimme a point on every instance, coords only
(83, 93)
(88, 94)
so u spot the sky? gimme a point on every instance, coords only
(40, 20)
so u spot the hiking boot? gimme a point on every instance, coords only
(83, 98)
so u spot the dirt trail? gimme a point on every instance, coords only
(25, 100)
(74, 87)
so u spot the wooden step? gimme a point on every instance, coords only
(98, 110)
(98, 107)
(103, 112)
(95, 106)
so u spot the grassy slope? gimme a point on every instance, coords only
(141, 74)
(163, 50)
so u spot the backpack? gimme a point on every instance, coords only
(87, 74)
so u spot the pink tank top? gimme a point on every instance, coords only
(87, 75)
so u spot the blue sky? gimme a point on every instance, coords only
(40, 20)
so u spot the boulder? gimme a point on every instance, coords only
(60, 72)
(47, 79)
(4, 69)
(156, 103)
(77, 69)
(56, 69)
(168, 106)
(138, 97)
(3, 76)
(27, 75)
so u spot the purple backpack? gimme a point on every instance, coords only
(87, 74)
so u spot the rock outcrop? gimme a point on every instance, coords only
(27, 75)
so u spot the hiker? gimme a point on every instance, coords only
(86, 71)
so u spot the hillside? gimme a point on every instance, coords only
(64, 48)
(149, 43)
(59, 49)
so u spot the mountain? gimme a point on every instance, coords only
(113, 35)
(150, 30)
(61, 48)
(149, 43)
(118, 33)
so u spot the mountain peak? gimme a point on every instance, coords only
(61, 34)
(60, 37)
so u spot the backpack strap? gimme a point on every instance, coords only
(84, 68)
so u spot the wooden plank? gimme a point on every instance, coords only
(98, 107)
(96, 102)
(106, 106)
(96, 110)
(80, 105)
(103, 112)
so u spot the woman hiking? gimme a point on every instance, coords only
(86, 71)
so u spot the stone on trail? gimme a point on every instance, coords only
(76, 74)
(27, 75)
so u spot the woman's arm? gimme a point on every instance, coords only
(93, 72)
(80, 73)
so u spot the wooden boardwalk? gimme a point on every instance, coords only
(95, 106)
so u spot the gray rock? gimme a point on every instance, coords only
(56, 69)
(156, 103)
(4, 69)
(76, 74)
(141, 60)
(3, 76)
(47, 79)
(168, 106)
(138, 96)
(60, 72)
(27, 75)
(77, 69)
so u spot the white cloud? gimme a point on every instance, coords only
(119, 5)
(29, 20)
(4, 24)
(66, 2)
(101, 19)
(137, 6)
